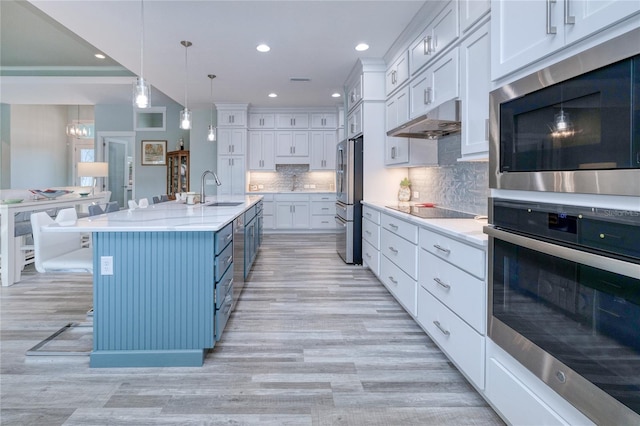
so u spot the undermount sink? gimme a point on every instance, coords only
(223, 204)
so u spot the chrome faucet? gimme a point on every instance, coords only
(215, 176)
(293, 185)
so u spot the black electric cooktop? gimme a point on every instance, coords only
(432, 212)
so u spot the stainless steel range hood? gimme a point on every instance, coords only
(440, 121)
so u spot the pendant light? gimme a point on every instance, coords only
(185, 114)
(141, 89)
(211, 136)
(76, 129)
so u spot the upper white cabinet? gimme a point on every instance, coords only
(354, 92)
(262, 150)
(231, 141)
(398, 73)
(525, 31)
(475, 84)
(292, 147)
(441, 32)
(262, 121)
(292, 121)
(436, 84)
(354, 122)
(324, 121)
(471, 11)
(323, 150)
(232, 118)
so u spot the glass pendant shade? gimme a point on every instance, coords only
(562, 126)
(211, 136)
(141, 92)
(185, 119)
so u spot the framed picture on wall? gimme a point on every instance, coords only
(154, 153)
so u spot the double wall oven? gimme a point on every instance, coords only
(564, 227)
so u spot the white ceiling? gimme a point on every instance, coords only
(308, 39)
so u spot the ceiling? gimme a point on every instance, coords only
(47, 49)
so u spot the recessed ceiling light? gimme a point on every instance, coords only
(335, 95)
(362, 47)
(273, 95)
(99, 56)
(263, 48)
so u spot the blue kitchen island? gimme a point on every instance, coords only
(163, 280)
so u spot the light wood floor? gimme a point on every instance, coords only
(312, 342)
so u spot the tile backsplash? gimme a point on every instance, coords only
(289, 177)
(456, 185)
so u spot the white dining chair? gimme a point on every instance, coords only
(143, 203)
(132, 204)
(58, 251)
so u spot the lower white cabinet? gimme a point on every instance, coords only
(371, 239)
(371, 257)
(292, 211)
(399, 284)
(462, 344)
(323, 211)
(268, 212)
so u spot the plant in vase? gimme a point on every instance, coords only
(404, 193)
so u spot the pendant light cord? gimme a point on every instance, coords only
(142, 39)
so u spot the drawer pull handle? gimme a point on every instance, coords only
(368, 255)
(393, 250)
(228, 260)
(445, 332)
(443, 284)
(228, 238)
(367, 232)
(442, 249)
(393, 226)
(393, 280)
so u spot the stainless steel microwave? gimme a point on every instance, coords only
(573, 126)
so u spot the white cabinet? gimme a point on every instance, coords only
(371, 239)
(324, 121)
(441, 32)
(471, 11)
(354, 92)
(525, 31)
(354, 122)
(231, 141)
(231, 171)
(292, 121)
(436, 84)
(475, 85)
(262, 150)
(268, 212)
(262, 121)
(406, 152)
(323, 150)
(323, 211)
(292, 211)
(292, 147)
(397, 73)
(232, 118)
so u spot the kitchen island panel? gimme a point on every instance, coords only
(157, 308)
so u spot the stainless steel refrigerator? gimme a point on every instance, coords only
(349, 195)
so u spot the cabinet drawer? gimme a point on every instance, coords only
(223, 287)
(462, 344)
(461, 292)
(222, 314)
(250, 214)
(223, 237)
(323, 197)
(401, 285)
(371, 214)
(465, 257)
(371, 233)
(400, 251)
(292, 197)
(371, 257)
(223, 261)
(323, 208)
(406, 230)
(323, 222)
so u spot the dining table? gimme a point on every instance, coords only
(8, 211)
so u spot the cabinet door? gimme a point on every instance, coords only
(293, 121)
(323, 121)
(354, 122)
(284, 144)
(397, 73)
(284, 212)
(300, 217)
(437, 84)
(231, 118)
(323, 145)
(354, 93)
(231, 171)
(475, 85)
(520, 33)
(591, 16)
(262, 121)
(231, 141)
(330, 143)
(440, 33)
(471, 11)
(300, 144)
(261, 150)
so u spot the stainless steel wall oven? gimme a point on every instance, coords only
(573, 126)
(564, 300)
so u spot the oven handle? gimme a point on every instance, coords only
(578, 256)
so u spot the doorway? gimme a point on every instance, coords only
(117, 150)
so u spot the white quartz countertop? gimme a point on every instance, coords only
(167, 216)
(467, 230)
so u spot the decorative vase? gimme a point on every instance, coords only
(404, 193)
